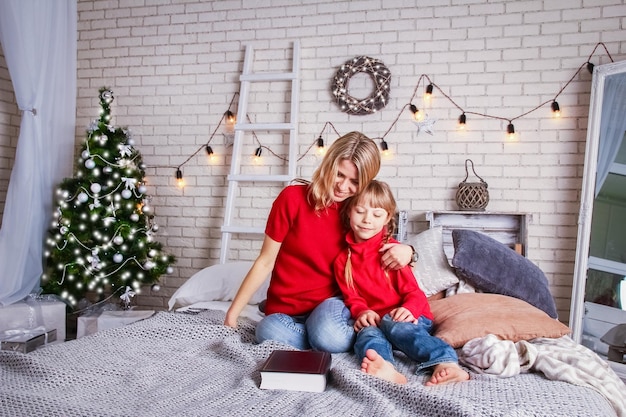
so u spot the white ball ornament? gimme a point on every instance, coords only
(134, 217)
(142, 189)
(90, 164)
(117, 258)
(95, 187)
(155, 227)
(152, 253)
(156, 287)
(118, 240)
(169, 270)
(146, 209)
(107, 169)
(85, 154)
(82, 197)
(126, 194)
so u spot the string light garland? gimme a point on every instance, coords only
(230, 118)
(463, 117)
(379, 98)
(380, 76)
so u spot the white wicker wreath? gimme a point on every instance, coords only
(380, 75)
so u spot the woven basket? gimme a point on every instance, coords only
(472, 195)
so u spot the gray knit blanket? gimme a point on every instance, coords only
(175, 364)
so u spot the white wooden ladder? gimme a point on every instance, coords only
(244, 125)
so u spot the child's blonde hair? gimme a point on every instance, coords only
(375, 194)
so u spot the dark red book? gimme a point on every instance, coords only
(296, 370)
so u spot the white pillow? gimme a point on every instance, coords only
(216, 283)
(432, 270)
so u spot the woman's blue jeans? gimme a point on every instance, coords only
(415, 340)
(327, 328)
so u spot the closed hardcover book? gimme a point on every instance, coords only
(296, 370)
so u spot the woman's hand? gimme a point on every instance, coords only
(260, 271)
(230, 320)
(395, 255)
(366, 318)
(402, 314)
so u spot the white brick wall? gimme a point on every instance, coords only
(174, 68)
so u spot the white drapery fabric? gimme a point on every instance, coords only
(39, 40)
(612, 125)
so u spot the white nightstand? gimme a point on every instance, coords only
(87, 325)
(510, 229)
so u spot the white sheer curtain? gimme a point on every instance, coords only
(39, 40)
(612, 125)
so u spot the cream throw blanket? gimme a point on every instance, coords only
(558, 359)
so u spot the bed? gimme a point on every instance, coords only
(184, 362)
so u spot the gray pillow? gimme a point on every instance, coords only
(495, 268)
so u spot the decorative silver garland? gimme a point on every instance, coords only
(376, 100)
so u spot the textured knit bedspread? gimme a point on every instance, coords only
(175, 364)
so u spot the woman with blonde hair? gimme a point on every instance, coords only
(303, 236)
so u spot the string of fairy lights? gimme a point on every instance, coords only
(418, 116)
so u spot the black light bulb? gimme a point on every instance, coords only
(462, 120)
(179, 178)
(556, 110)
(230, 117)
(417, 115)
(429, 91)
(510, 130)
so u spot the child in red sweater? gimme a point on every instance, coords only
(389, 308)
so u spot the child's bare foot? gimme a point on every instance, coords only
(375, 365)
(447, 372)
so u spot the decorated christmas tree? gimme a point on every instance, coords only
(102, 241)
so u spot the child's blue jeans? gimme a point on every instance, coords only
(415, 340)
